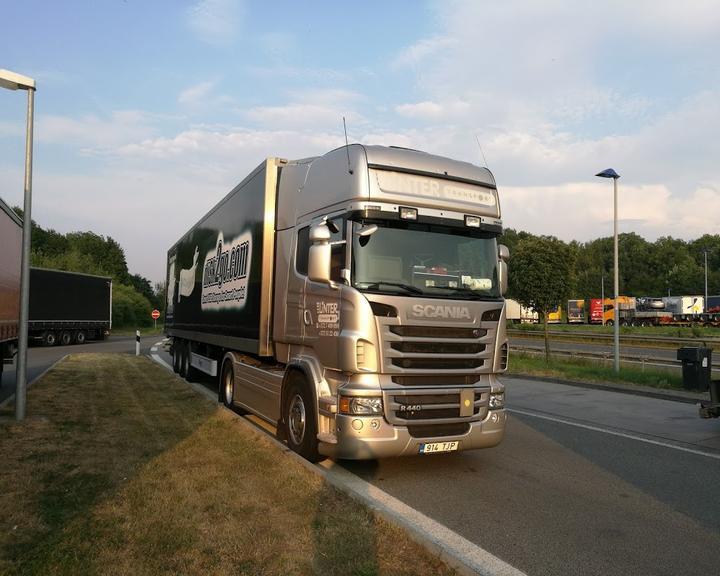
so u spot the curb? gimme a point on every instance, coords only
(466, 558)
(672, 395)
(10, 398)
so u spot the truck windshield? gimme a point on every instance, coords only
(422, 259)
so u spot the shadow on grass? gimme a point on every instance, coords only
(93, 423)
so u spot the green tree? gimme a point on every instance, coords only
(541, 273)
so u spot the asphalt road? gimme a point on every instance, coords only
(41, 358)
(587, 482)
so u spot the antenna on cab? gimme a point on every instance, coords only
(347, 146)
(481, 151)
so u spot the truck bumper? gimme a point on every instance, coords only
(371, 437)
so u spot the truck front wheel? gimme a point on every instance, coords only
(299, 419)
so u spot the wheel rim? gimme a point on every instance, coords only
(296, 419)
(228, 387)
(80, 338)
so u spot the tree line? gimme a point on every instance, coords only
(133, 296)
(668, 266)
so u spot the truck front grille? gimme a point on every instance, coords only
(436, 406)
(438, 363)
(421, 350)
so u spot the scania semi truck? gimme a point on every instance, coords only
(354, 300)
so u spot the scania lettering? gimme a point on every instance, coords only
(354, 300)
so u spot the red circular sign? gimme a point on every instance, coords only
(155, 314)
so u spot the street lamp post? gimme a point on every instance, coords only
(14, 81)
(610, 173)
(705, 305)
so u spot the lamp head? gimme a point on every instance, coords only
(609, 173)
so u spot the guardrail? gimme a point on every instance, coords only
(606, 358)
(668, 341)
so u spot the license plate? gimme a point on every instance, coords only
(435, 447)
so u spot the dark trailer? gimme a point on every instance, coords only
(69, 307)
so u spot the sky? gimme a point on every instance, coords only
(148, 113)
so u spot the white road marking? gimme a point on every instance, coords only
(161, 362)
(615, 433)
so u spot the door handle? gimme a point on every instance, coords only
(307, 317)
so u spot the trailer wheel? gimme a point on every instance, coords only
(80, 337)
(176, 356)
(299, 419)
(65, 338)
(183, 359)
(49, 338)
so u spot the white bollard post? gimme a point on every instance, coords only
(137, 342)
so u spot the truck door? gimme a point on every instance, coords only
(322, 314)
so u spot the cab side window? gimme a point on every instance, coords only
(337, 258)
(303, 251)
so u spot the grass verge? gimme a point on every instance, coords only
(120, 468)
(581, 369)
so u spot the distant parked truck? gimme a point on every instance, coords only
(69, 307)
(713, 304)
(576, 312)
(554, 316)
(11, 243)
(519, 314)
(684, 305)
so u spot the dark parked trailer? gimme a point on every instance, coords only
(11, 242)
(69, 307)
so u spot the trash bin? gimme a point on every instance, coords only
(696, 367)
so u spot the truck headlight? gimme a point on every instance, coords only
(361, 405)
(497, 401)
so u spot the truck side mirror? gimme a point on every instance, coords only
(320, 253)
(504, 256)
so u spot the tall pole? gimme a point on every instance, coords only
(617, 280)
(602, 298)
(705, 304)
(21, 373)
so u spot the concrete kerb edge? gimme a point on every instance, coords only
(338, 477)
(648, 392)
(10, 398)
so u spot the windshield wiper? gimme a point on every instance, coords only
(406, 287)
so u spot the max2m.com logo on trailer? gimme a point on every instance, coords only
(225, 273)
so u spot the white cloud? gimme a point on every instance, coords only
(433, 111)
(94, 131)
(195, 93)
(216, 21)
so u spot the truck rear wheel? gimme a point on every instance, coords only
(49, 338)
(65, 338)
(299, 419)
(80, 337)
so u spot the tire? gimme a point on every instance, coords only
(183, 354)
(80, 337)
(176, 356)
(66, 338)
(299, 419)
(609, 323)
(187, 371)
(49, 338)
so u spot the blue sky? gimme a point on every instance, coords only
(149, 112)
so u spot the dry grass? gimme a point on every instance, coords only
(122, 469)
